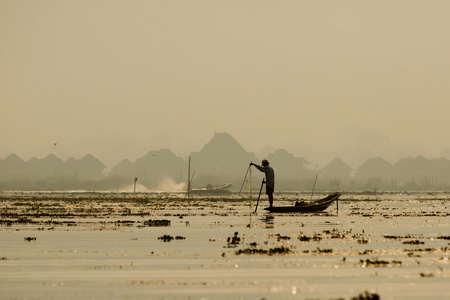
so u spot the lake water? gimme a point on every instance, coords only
(101, 246)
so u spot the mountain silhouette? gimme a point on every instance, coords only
(337, 168)
(221, 155)
(286, 165)
(221, 160)
(375, 168)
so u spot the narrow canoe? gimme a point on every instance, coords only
(306, 207)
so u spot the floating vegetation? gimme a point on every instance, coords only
(234, 240)
(413, 242)
(271, 251)
(125, 223)
(305, 238)
(366, 296)
(345, 243)
(397, 237)
(25, 220)
(325, 251)
(6, 222)
(379, 263)
(420, 250)
(283, 237)
(335, 234)
(157, 223)
(180, 216)
(363, 241)
(443, 249)
(168, 238)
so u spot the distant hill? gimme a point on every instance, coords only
(337, 168)
(221, 160)
(286, 165)
(222, 156)
(153, 168)
(13, 167)
(422, 171)
(375, 168)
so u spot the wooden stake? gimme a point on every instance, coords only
(314, 187)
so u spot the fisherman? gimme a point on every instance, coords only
(270, 178)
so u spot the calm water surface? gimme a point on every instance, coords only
(98, 247)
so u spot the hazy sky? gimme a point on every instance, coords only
(322, 79)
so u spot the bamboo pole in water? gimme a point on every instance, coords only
(314, 187)
(135, 180)
(189, 178)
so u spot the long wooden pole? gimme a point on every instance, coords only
(251, 186)
(259, 196)
(314, 187)
(189, 177)
(244, 178)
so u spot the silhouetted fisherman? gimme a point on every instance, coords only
(270, 178)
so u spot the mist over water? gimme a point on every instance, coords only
(221, 161)
(167, 184)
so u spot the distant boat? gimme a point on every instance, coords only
(306, 207)
(211, 188)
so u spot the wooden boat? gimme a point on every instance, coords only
(306, 207)
(210, 187)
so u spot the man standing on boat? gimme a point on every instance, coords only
(270, 178)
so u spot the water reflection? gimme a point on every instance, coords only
(269, 221)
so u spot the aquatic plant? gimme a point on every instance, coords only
(124, 223)
(271, 251)
(366, 296)
(363, 241)
(157, 223)
(234, 240)
(413, 242)
(379, 263)
(323, 250)
(168, 238)
(283, 237)
(305, 238)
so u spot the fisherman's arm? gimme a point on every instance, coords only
(262, 169)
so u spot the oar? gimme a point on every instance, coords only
(259, 195)
(245, 177)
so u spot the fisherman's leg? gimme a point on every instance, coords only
(270, 199)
